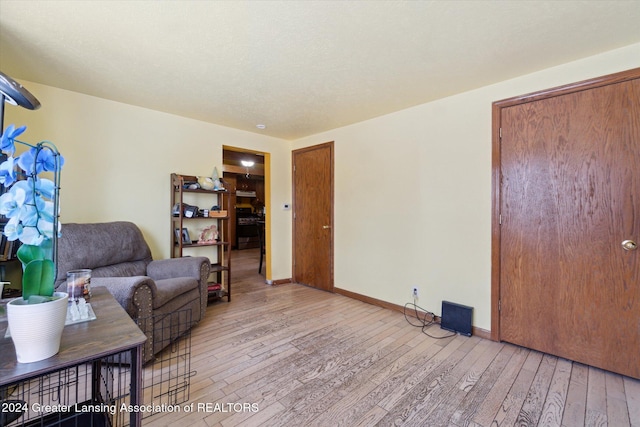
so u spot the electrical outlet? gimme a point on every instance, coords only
(414, 292)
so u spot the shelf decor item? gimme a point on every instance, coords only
(30, 202)
(209, 234)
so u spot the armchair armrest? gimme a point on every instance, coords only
(135, 294)
(196, 267)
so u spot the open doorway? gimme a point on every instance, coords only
(246, 176)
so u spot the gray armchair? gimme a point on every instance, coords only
(166, 297)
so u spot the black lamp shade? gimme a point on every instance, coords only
(14, 93)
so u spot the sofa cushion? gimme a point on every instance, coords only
(170, 289)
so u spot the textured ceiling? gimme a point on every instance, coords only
(299, 67)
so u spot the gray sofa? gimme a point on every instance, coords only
(166, 297)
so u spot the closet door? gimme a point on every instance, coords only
(569, 280)
(313, 216)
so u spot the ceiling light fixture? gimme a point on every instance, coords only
(261, 126)
(247, 164)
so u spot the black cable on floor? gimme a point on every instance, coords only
(424, 323)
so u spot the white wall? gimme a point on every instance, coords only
(412, 189)
(119, 158)
(413, 192)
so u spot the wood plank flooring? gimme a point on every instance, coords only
(291, 355)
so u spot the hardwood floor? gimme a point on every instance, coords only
(291, 355)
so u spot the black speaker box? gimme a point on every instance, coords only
(456, 318)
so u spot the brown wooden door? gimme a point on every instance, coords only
(313, 216)
(570, 195)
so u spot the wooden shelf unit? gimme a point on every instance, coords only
(220, 258)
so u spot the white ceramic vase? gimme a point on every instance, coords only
(36, 329)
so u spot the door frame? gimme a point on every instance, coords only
(496, 170)
(331, 147)
(267, 201)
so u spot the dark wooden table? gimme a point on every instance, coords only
(112, 332)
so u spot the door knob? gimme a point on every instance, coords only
(629, 245)
(326, 226)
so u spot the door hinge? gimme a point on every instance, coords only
(499, 305)
(500, 132)
(500, 219)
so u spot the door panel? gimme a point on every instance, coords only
(313, 216)
(570, 194)
(230, 207)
